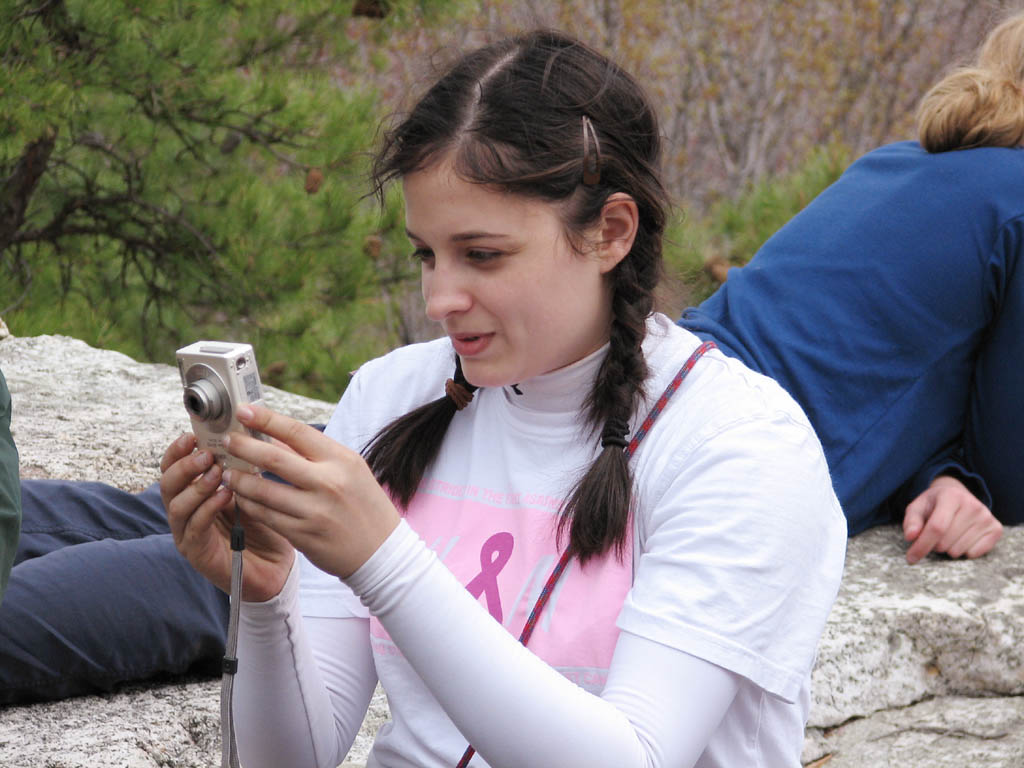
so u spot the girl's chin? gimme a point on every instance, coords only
(483, 375)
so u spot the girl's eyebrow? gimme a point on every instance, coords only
(460, 237)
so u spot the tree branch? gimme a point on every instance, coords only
(18, 188)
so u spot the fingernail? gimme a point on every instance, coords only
(228, 477)
(226, 441)
(205, 459)
(244, 413)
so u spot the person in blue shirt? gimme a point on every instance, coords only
(892, 309)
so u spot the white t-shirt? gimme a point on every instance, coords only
(736, 554)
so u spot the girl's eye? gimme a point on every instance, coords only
(482, 256)
(422, 255)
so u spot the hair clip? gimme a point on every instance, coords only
(591, 163)
(458, 393)
(615, 434)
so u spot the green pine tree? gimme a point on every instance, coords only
(172, 169)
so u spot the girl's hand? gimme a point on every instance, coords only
(201, 514)
(949, 518)
(334, 511)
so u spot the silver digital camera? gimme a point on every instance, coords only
(219, 376)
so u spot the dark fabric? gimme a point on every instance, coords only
(10, 495)
(892, 309)
(100, 595)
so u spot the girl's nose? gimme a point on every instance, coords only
(444, 291)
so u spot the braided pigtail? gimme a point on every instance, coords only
(400, 453)
(597, 512)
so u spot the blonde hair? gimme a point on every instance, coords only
(981, 105)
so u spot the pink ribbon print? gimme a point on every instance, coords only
(494, 554)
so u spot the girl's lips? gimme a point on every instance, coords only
(467, 345)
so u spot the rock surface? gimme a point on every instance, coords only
(922, 665)
(919, 666)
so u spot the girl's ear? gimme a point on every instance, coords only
(619, 221)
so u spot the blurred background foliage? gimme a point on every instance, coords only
(181, 169)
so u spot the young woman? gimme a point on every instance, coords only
(892, 309)
(558, 415)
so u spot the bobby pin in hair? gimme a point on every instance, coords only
(591, 163)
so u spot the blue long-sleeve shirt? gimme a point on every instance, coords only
(870, 306)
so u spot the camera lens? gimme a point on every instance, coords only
(203, 400)
(194, 403)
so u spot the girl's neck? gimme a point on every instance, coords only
(562, 390)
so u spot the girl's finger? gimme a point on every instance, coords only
(275, 525)
(198, 524)
(302, 438)
(178, 449)
(182, 506)
(256, 529)
(278, 497)
(277, 458)
(181, 474)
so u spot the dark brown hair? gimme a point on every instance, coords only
(509, 116)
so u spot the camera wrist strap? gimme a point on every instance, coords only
(229, 750)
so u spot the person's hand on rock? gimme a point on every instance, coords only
(948, 518)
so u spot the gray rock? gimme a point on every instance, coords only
(923, 662)
(943, 732)
(919, 665)
(176, 724)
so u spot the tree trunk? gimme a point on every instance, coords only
(17, 188)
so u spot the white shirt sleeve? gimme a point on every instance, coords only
(660, 705)
(742, 552)
(303, 683)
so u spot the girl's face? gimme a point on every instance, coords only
(498, 273)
